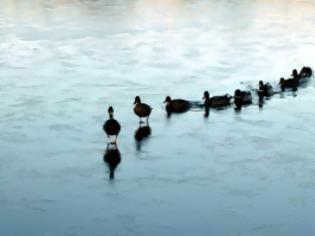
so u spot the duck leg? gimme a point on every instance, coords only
(115, 140)
(109, 139)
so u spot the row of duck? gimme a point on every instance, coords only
(240, 98)
(112, 127)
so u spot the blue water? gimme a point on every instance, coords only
(62, 63)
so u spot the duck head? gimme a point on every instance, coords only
(261, 83)
(167, 100)
(111, 111)
(137, 100)
(294, 73)
(281, 81)
(206, 96)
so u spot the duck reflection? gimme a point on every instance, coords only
(261, 101)
(141, 133)
(207, 111)
(112, 158)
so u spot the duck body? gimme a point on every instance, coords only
(305, 74)
(216, 101)
(245, 97)
(265, 90)
(220, 101)
(141, 109)
(289, 83)
(242, 98)
(176, 105)
(111, 126)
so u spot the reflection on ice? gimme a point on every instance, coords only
(63, 61)
(141, 133)
(112, 157)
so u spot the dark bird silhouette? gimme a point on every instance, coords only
(176, 105)
(111, 126)
(141, 109)
(242, 98)
(289, 83)
(306, 72)
(112, 157)
(265, 90)
(216, 101)
(297, 79)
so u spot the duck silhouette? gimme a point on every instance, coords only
(111, 126)
(289, 84)
(176, 105)
(306, 72)
(264, 90)
(141, 109)
(242, 98)
(297, 79)
(112, 158)
(216, 101)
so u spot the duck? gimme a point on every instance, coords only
(176, 105)
(141, 109)
(216, 101)
(242, 98)
(289, 83)
(111, 127)
(305, 72)
(264, 90)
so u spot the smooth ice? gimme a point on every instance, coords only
(62, 63)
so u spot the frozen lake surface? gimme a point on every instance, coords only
(62, 63)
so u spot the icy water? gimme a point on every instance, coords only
(62, 63)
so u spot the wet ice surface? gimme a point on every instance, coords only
(62, 63)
